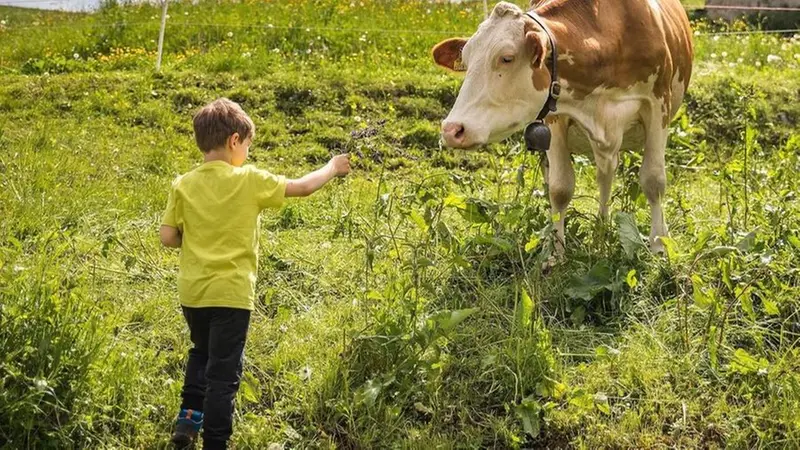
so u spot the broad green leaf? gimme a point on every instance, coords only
(702, 241)
(747, 243)
(770, 307)
(476, 211)
(723, 250)
(601, 402)
(629, 235)
(455, 200)
(532, 243)
(524, 310)
(631, 279)
(701, 297)
(746, 364)
(747, 302)
(594, 281)
(578, 316)
(249, 387)
(529, 413)
(670, 247)
(368, 393)
(795, 241)
(419, 220)
(582, 400)
(447, 320)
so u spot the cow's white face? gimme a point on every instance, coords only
(499, 96)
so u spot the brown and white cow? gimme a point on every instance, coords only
(624, 66)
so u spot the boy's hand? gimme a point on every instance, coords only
(340, 164)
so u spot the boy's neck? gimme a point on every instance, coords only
(217, 155)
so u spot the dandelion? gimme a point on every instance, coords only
(697, 32)
(739, 60)
(713, 56)
(76, 56)
(186, 13)
(724, 54)
(276, 50)
(230, 34)
(731, 64)
(308, 51)
(2, 22)
(246, 55)
(357, 118)
(716, 38)
(270, 25)
(758, 63)
(797, 56)
(773, 59)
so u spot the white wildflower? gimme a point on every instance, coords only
(2, 22)
(230, 34)
(713, 56)
(724, 54)
(772, 59)
(739, 60)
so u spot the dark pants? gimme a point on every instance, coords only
(215, 368)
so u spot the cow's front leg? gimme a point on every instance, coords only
(653, 179)
(560, 178)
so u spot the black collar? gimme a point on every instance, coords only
(555, 86)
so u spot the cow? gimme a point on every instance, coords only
(623, 67)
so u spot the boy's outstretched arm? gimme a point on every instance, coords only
(338, 166)
(170, 236)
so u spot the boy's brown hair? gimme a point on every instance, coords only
(217, 121)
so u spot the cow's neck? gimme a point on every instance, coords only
(568, 23)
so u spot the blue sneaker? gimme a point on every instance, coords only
(187, 427)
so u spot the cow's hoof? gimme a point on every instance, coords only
(657, 247)
(551, 262)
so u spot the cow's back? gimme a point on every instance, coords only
(622, 44)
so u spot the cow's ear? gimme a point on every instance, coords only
(448, 54)
(534, 41)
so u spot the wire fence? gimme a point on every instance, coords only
(324, 29)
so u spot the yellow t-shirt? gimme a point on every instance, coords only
(216, 207)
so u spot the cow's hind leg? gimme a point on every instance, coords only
(653, 177)
(606, 159)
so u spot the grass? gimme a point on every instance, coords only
(403, 306)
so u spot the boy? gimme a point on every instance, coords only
(212, 216)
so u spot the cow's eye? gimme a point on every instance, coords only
(508, 59)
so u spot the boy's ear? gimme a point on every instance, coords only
(233, 139)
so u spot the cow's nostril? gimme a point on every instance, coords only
(460, 132)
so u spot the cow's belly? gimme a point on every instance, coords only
(578, 139)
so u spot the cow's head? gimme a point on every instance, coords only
(506, 83)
